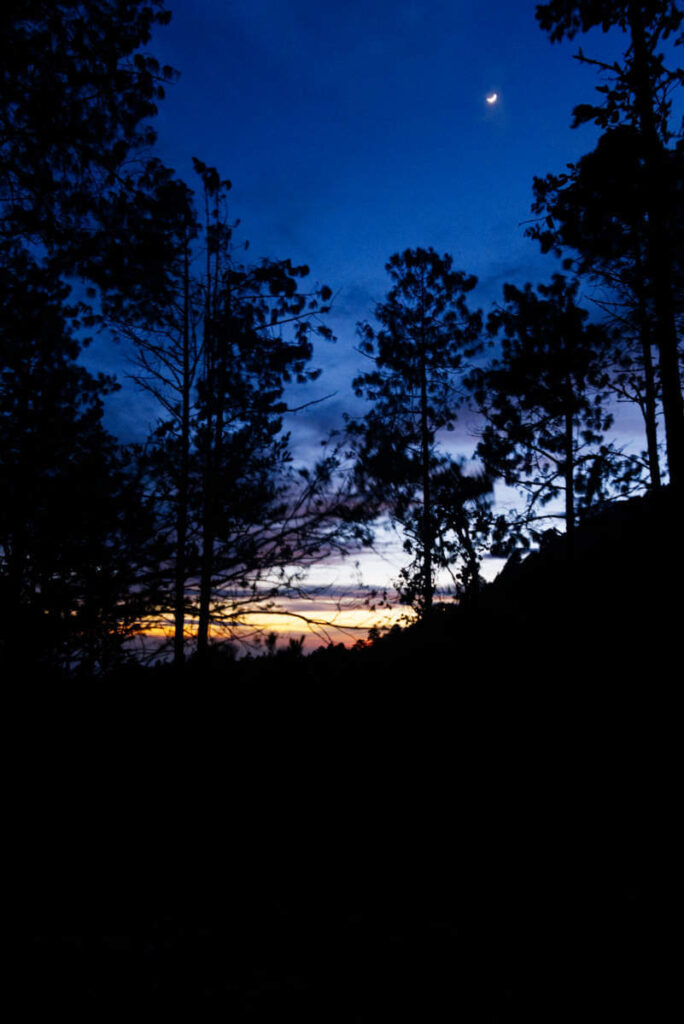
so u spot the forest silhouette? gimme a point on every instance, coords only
(211, 517)
(448, 820)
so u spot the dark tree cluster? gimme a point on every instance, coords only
(425, 337)
(240, 523)
(210, 519)
(209, 516)
(619, 210)
(76, 94)
(546, 396)
(464, 820)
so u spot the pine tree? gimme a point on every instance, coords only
(241, 523)
(597, 212)
(77, 95)
(78, 193)
(543, 404)
(637, 95)
(74, 527)
(425, 336)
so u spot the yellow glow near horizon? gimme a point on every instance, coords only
(358, 618)
(343, 625)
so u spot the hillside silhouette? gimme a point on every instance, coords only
(616, 606)
(471, 819)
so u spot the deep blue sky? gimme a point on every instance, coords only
(352, 130)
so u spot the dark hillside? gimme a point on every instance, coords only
(446, 826)
(616, 608)
(627, 568)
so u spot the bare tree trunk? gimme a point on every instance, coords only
(650, 421)
(659, 255)
(206, 568)
(427, 531)
(182, 510)
(569, 474)
(208, 534)
(650, 413)
(209, 471)
(216, 397)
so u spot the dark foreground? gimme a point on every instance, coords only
(410, 857)
(476, 823)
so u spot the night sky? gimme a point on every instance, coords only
(353, 130)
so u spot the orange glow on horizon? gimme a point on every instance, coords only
(321, 624)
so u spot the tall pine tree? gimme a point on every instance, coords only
(542, 401)
(638, 95)
(425, 336)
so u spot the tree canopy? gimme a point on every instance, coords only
(241, 523)
(425, 336)
(76, 537)
(77, 93)
(638, 95)
(76, 96)
(214, 517)
(543, 402)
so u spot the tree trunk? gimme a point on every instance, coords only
(649, 410)
(208, 476)
(182, 511)
(427, 538)
(206, 572)
(659, 255)
(216, 397)
(569, 473)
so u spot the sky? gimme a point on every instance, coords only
(353, 130)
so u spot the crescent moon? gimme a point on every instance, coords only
(492, 99)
